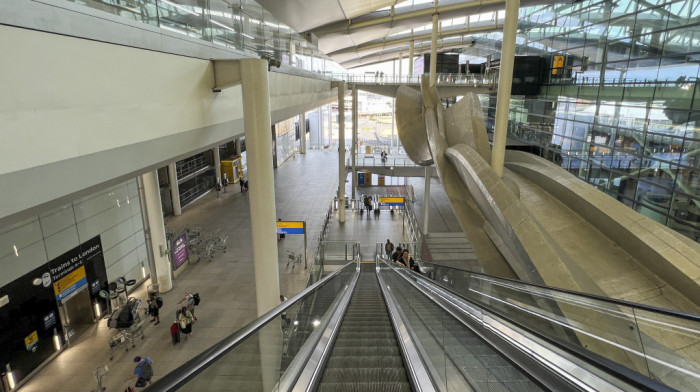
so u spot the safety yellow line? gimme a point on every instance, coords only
(367, 262)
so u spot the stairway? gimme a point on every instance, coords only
(366, 355)
(451, 250)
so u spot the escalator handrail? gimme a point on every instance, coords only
(185, 372)
(614, 301)
(596, 360)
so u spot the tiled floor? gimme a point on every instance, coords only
(304, 189)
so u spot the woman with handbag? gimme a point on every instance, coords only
(185, 319)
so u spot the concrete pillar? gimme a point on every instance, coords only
(292, 52)
(154, 230)
(426, 199)
(330, 124)
(410, 55)
(256, 121)
(217, 163)
(505, 80)
(400, 66)
(302, 133)
(353, 150)
(433, 49)
(237, 144)
(174, 189)
(341, 152)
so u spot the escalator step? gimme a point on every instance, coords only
(366, 351)
(366, 387)
(381, 361)
(350, 375)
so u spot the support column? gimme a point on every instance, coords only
(410, 55)
(330, 124)
(256, 121)
(433, 48)
(426, 199)
(154, 230)
(292, 52)
(400, 66)
(505, 80)
(174, 189)
(217, 163)
(237, 144)
(341, 152)
(302, 133)
(353, 150)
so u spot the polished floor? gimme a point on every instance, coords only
(304, 188)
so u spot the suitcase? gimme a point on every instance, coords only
(175, 333)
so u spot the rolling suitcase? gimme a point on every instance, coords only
(175, 333)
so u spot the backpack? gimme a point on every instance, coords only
(196, 298)
(159, 302)
(146, 370)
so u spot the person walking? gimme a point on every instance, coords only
(154, 305)
(368, 203)
(388, 248)
(143, 372)
(185, 319)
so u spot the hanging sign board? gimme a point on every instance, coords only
(290, 227)
(392, 201)
(69, 283)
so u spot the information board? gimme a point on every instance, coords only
(290, 227)
(392, 201)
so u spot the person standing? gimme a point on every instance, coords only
(189, 303)
(396, 255)
(388, 248)
(185, 319)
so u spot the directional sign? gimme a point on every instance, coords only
(392, 201)
(290, 227)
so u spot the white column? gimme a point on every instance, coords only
(410, 55)
(341, 152)
(154, 230)
(433, 49)
(330, 124)
(426, 199)
(174, 189)
(400, 65)
(256, 121)
(505, 80)
(353, 150)
(237, 144)
(302, 133)
(292, 52)
(217, 162)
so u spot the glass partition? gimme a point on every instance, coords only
(456, 357)
(242, 25)
(657, 343)
(257, 357)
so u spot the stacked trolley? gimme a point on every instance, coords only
(203, 244)
(125, 325)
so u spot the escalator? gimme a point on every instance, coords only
(383, 328)
(365, 355)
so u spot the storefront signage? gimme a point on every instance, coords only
(69, 283)
(67, 272)
(290, 227)
(392, 201)
(50, 320)
(179, 248)
(31, 341)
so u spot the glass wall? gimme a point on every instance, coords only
(619, 107)
(242, 25)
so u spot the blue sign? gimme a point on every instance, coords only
(50, 320)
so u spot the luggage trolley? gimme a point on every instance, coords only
(128, 326)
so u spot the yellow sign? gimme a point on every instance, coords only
(297, 225)
(558, 64)
(395, 201)
(31, 340)
(69, 283)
